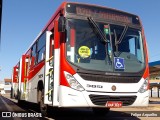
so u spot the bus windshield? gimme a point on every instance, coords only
(120, 50)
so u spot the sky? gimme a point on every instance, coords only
(22, 21)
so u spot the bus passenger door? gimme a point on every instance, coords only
(24, 77)
(49, 69)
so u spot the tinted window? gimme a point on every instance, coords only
(34, 54)
(41, 47)
(41, 42)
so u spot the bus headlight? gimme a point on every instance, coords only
(73, 82)
(144, 87)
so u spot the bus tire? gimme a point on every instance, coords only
(100, 111)
(42, 106)
(20, 103)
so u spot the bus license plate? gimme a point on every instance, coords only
(114, 104)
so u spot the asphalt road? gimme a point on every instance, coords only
(12, 111)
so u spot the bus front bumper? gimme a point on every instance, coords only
(69, 97)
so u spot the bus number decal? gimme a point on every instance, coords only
(40, 76)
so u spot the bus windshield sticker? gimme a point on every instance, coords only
(84, 52)
(119, 63)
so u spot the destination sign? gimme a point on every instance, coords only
(102, 13)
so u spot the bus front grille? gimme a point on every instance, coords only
(110, 79)
(102, 99)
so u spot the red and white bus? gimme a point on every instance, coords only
(86, 56)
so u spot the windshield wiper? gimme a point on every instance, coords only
(98, 30)
(102, 36)
(121, 37)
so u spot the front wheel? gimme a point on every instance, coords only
(42, 106)
(101, 111)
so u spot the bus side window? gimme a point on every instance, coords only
(41, 48)
(51, 49)
(33, 55)
(41, 54)
(51, 46)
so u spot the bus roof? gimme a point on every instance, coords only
(62, 6)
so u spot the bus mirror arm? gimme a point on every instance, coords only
(61, 24)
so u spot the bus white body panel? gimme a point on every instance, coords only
(32, 86)
(15, 89)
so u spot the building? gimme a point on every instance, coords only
(7, 85)
(154, 69)
(2, 87)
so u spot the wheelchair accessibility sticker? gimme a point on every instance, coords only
(119, 63)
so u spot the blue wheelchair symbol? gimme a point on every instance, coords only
(119, 63)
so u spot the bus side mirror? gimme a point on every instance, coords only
(61, 24)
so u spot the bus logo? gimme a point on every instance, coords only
(113, 87)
